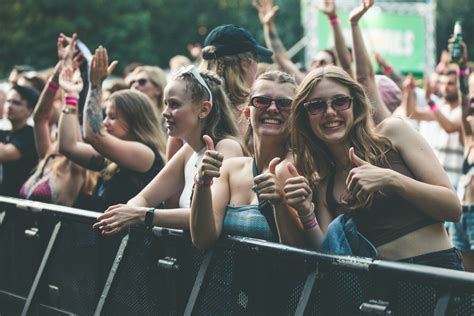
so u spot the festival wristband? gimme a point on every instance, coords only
(334, 20)
(53, 86)
(71, 100)
(433, 106)
(462, 72)
(387, 70)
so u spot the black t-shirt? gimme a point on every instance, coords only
(15, 173)
(123, 185)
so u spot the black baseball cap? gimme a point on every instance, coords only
(230, 39)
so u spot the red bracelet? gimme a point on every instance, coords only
(387, 70)
(202, 182)
(334, 20)
(53, 86)
(71, 100)
(462, 72)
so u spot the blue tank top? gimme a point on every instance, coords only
(251, 220)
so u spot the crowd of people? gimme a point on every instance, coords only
(333, 158)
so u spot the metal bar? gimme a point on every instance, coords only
(442, 304)
(306, 293)
(111, 276)
(39, 274)
(198, 283)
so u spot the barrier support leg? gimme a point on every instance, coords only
(306, 293)
(39, 274)
(198, 283)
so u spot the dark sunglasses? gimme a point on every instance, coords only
(316, 107)
(263, 102)
(141, 82)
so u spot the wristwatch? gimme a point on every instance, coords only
(149, 217)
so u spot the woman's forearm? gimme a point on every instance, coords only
(436, 201)
(289, 228)
(202, 222)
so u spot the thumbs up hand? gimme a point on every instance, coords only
(211, 162)
(298, 192)
(366, 178)
(267, 185)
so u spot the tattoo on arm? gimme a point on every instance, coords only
(96, 163)
(93, 108)
(277, 45)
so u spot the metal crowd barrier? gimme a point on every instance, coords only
(53, 263)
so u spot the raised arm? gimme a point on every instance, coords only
(133, 155)
(70, 142)
(342, 53)
(364, 71)
(43, 113)
(266, 13)
(389, 71)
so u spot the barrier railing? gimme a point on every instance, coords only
(53, 263)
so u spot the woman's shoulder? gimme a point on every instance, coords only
(229, 147)
(394, 127)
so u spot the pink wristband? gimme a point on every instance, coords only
(387, 70)
(71, 100)
(311, 223)
(52, 86)
(462, 72)
(433, 106)
(334, 20)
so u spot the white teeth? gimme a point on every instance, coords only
(270, 121)
(332, 124)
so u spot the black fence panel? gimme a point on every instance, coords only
(53, 263)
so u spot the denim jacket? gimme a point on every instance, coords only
(343, 238)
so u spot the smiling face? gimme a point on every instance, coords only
(332, 127)
(271, 121)
(181, 116)
(115, 124)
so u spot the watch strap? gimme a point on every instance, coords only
(150, 213)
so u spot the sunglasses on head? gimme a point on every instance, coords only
(192, 70)
(318, 106)
(141, 82)
(263, 102)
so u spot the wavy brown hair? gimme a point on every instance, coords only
(313, 158)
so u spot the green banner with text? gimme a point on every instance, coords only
(400, 39)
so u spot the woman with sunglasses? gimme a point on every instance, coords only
(150, 80)
(387, 177)
(247, 198)
(195, 104)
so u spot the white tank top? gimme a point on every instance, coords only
(189, 171)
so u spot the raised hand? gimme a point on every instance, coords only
(359, 11)
(266, 10)
(298, 192)
(211, 162)
(329, 8)
(66, 46)
(409, 83)
(100, 67)
(70, 80)
(267, 185)
(366, 178)
(119, 217)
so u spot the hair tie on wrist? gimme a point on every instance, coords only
(433, 106)
(53, 86)
(462, 72)
(202, 182)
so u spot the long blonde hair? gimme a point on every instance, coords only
(157, 77)
(219, 124)
(229, 69)
(313, 158)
